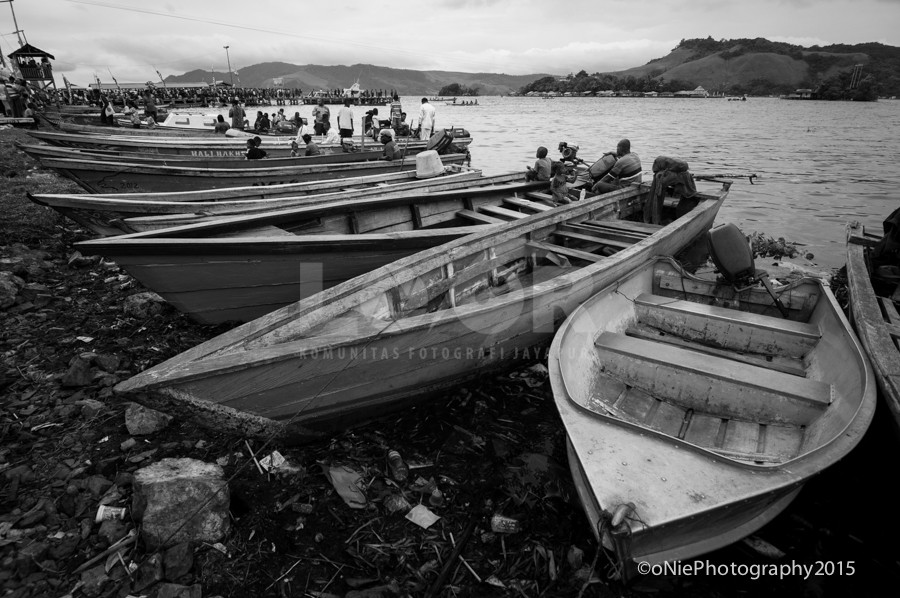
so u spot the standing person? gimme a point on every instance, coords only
(237, 115)
(345, 120)
(321, 115)
(426, 120)
(625, 171)
(369, 121)
(150, 106)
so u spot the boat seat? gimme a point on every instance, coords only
(538, 196)
(625, 225)
(566, 251)
(727, 328)
(480, 218)
(502, 212)
(713, 385)
(526, 204)
(563, 233)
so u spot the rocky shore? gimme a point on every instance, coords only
(93, 486)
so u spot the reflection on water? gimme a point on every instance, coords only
(820, 164)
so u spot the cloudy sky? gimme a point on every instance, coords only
(132, 39)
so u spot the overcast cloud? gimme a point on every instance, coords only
(132, 39)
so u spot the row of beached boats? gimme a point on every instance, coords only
(695, 406)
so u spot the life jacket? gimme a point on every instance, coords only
(601, 167)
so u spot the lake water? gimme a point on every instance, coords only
(819, 164)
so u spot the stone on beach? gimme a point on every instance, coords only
(181, 500)
(143, 305)
(142, 421)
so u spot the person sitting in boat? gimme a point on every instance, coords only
(254, 151)
(331, 134)
(221, 125)
(131, 112)
(279, 116)
(391, 151)
(541, 170)
(302, 129)
(312, 148)
(559, 184)
(625, 171)
(297, 120)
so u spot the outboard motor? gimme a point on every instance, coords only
(731, 253)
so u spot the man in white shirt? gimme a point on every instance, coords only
(345, 120)
(426, 120)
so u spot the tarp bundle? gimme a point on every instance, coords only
(668, 174)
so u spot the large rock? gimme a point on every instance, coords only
(10, 284)
(143, 305)
(181, 500)
(141, 420)
(79, 373)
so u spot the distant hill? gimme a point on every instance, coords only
(406, 82)
(750, 66)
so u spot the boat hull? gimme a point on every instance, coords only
(873, 318)
(203, 147)
(366, 366)
(109, 177)
(696, 479)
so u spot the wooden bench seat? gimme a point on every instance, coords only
(727, 328)
(563, 233)
(526, 204)
(712, 385)
(481, 218)
(565, 251)
(502, 212)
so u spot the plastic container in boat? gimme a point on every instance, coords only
(428, 164)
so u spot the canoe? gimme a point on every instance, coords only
(98, 176)
(221, 146)
(41, 151)
(421, 324)
(874, 317)
(108, 214)
(239, 268)
(695, 413)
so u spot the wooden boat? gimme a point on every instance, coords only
(98, 176)
(694, 413)
(239, 268)
(41, 151)
(421, 324)
(220, 146)
(874, 315)
(107, 216)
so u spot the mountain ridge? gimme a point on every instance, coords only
(754, 66)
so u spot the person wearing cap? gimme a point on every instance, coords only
(426, 119)
(391, 151)
(625, 171)
(237, 115)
